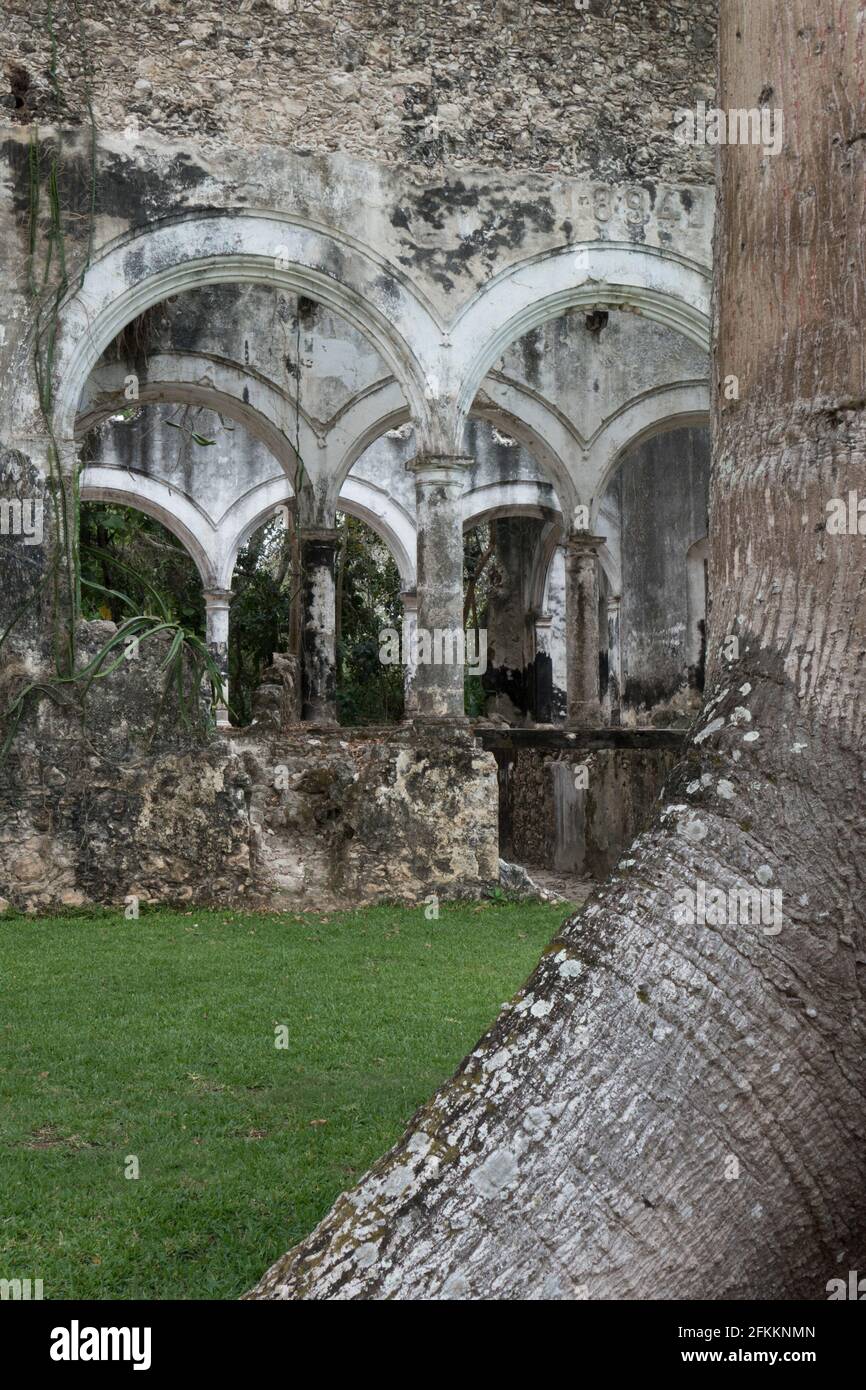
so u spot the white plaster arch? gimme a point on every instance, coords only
(215, 382)
(676, 406)
(177, 512)
(520, 412)
(387, 518)
(548, 543)
(660, 285)
(244, 518)
(538, 426)
(370, 414)
(178, 254)
(519, 498)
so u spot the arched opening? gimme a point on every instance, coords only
(223, 399)
(368, 607)
(263, 623)
(132, 563)
(658, 502)
(199, 251)
(509, 502)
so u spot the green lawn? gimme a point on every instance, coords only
(156, 1038)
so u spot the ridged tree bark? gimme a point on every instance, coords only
(589, 1147)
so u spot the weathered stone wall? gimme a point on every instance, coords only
(519, 84)
(388, 815)
(25, 507)
(104, 809)
(546, 821)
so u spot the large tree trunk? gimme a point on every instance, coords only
(590, 1145)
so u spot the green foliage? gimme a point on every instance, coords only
(130, 563)
(135, 560)
(368, 591)
(262, 588)
(474, 696)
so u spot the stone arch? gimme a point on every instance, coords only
(200, 379)
(541, 429)
(244, 518)
(177, 513)
(660, 285)
(363, 420)
(182, 253)
(501, 499)
(666, 408)
(387, 518)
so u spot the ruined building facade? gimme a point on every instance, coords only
(427, 266)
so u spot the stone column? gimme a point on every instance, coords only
(614, 650)
(318, 622)
(439, 483)
(542, 684)
(217, 603)
(410, 627)
(581, 628)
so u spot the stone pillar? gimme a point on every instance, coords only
(542, 682)
(318, 622)
(614, 650)
(217, 603)
(439, 483)
(410, 628)
(581, 628)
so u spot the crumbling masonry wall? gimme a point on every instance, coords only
(513, 84)
(573, 803)
(97, 810)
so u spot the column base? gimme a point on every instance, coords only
(319, 719)
(437, 721)
(584, 715)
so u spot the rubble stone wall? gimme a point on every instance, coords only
(550, 820)
(104, 808)
(545, 85)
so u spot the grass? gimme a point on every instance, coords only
(156, 1039)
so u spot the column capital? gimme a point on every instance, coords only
(584, 541)
(409, 598)
(439, 468)
(324, 535)
(215, 598)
